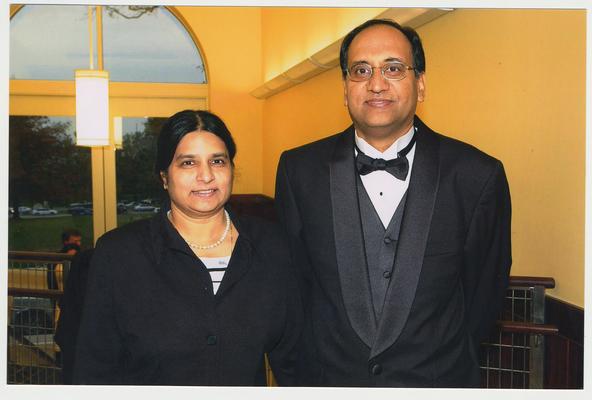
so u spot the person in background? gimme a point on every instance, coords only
(70, 315)
(402, 234)
(195, 295)
(71, 244)
(70, 239)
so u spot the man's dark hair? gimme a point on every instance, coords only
(184, 122)
(410, 34)
(67, 233)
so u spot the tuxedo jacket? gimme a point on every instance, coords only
(449, 275)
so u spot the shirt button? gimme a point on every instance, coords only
(387, 240)
(376, 369)
(386, 274)
(211, 340)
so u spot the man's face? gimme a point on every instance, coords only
(382, 108)
(74, 239)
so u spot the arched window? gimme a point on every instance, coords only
(160, 49)
(155, 68)
(141, 44)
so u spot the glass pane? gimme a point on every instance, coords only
(140, 44)
(139, 191)
(48, 42)
(47, 173)
(148, 44)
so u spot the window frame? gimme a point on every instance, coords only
(126, 99)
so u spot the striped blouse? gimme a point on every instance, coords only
(216, 267)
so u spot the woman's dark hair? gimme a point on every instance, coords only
(410, 34)
(184, 122)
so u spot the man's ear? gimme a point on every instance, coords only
(421, 88)
(163, 177)
(344, 81)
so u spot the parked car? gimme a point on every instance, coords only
(144, 208)
(80, 210)
(24, 210)
(121, 208)
(44, 211)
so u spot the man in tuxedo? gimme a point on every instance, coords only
(401, 234)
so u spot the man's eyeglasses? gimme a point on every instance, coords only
(394, 71)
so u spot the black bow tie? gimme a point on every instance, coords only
(397, 167)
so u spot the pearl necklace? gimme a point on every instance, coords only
(216, 243)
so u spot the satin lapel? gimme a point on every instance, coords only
(413, 237)
(349, 241)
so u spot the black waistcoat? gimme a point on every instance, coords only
(380, 245)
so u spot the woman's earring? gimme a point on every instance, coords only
(165, 186)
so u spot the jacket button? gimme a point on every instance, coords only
(386, 274)
(387, 240)
(212, 340)
(376, 369)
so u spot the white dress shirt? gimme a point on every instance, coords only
(386, 191)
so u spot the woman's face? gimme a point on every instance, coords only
(199, 178)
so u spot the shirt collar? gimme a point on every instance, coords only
(389, 153)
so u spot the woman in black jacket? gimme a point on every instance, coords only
(195, 295)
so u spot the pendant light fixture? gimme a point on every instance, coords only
(92, 95)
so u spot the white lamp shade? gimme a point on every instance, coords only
(92, 108)
(118, 132)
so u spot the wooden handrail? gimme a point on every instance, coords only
(529, 281)
(29, 292)
(38, 256)
(527, 327)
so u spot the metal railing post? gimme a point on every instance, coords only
(537, 342)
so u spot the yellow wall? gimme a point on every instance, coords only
(230, 38)
(511, 82)
(310, 30)
(304, 113)
(520, 95)
(315, 108)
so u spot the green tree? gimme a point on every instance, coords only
(136, 179)
(44, 162)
